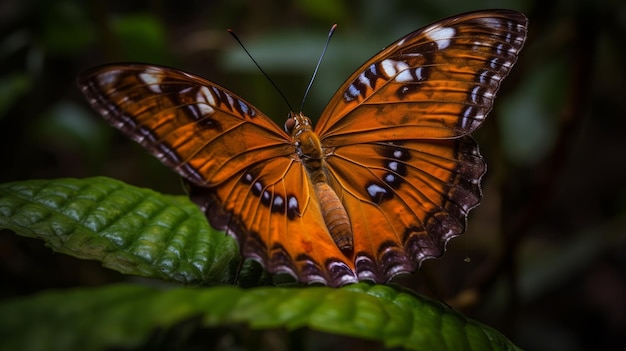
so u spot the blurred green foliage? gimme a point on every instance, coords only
(547, 247)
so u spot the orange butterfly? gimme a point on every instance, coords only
(382, 183)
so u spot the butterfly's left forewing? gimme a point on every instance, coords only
(196, 127)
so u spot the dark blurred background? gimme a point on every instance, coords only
(544, 258)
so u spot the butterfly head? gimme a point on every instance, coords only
(306, 142)
(297, 123)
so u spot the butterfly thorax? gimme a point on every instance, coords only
(309, 151)
(308, 146)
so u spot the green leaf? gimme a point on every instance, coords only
(139, 231)
(131, 230)
(126, 316)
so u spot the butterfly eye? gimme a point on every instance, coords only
(289, 124)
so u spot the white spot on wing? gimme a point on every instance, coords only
(258, 187)
(500, 49)
(266, 196)
(419, 73)
(393, 165)
(391, 68)
(292, 203)
(278, 201)
(508, 37)
(494, 63)
(108, 78)
(152, 79)
(231, 100)
(468, 115)
(205, 110)
(475, 94)
(404, 76)
(353, 91)
(375, 191)
(440, 35)
(483, 77)
(205, 95)
(244, 108)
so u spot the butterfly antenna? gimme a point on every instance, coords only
(306, 93)
(260, 69)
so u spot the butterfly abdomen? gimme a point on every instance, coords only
(335, 216)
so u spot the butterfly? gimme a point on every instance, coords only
(382, 182)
